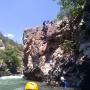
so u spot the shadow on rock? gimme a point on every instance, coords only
(34, 74)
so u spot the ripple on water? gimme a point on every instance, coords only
(18, 84)
(19, 89)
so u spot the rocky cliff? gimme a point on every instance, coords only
(52, 52)
(62, 52)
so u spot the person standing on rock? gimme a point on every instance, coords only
(44, 29)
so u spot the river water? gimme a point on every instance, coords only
(17, 83)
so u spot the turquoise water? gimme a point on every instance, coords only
(18, 84)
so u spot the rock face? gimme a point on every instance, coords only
(85, 46)
(2, 46)
(51, 56)
(61, 53)
(42, 50)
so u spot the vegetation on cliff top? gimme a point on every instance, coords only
(70, 8)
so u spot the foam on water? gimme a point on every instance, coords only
(12, 77)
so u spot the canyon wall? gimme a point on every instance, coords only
(62, 52)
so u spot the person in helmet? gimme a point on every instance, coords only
(31, 86)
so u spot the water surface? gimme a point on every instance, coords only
(17, 83)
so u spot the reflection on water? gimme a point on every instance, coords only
(18, 84)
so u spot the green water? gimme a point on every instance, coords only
(18, 84)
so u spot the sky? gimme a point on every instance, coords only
(16, 15)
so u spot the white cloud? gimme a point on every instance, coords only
(9, 35)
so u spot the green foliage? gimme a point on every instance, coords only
(2, 63)
(10, 57)
(1, 54)
(71, 7)
(68, 45)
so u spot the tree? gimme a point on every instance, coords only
(11, 59)
(10, 55)
(71, 7)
